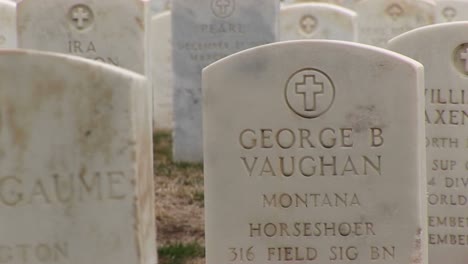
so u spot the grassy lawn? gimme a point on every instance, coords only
(179, 206)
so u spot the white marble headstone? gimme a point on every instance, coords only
(107, 31)
(451, 10)
(205, 31)
(76, 182)
(162, 70)
(443, 50)
(381, 20)
(7, 24)
(317, 21)
(314, 154)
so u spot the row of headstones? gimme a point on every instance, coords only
(315, 151)
(301, 21)
(202, 35)
(320, 151)
(76, 157)
(445, 10)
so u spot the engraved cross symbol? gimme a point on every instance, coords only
(449, 13)
(80, 16)
(395, 11)
(464, 56)
(310, 88)
(223, 5)
(308, 24)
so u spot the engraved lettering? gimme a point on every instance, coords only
(292, 254)
(63, 189)
(343, 253)
(42, 252)
(308, 229)
(308, 166)
(88, 50)
(285, 138)
(311, 200)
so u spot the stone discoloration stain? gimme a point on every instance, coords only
(140, 22)
(18, 132)
(365, 117)
(145, 183)
(416, 256)
(96, 132)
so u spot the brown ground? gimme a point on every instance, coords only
(179, 200)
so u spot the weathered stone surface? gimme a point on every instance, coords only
(76, 182)
(443, 50)
(451, 10)
(7, 24)
(108, 31)
(314, 152)
(318, 21)
(381, 20)
(162, 70)
(205, 31)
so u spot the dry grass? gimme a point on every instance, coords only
(179, 206)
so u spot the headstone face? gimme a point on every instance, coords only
(381, 20)
(205, 31)
(75, 160)
(318, 21)
(443, 50)
(308, 136)
(162, 70)
(7, 24)
(451, 10)
(107, 31)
